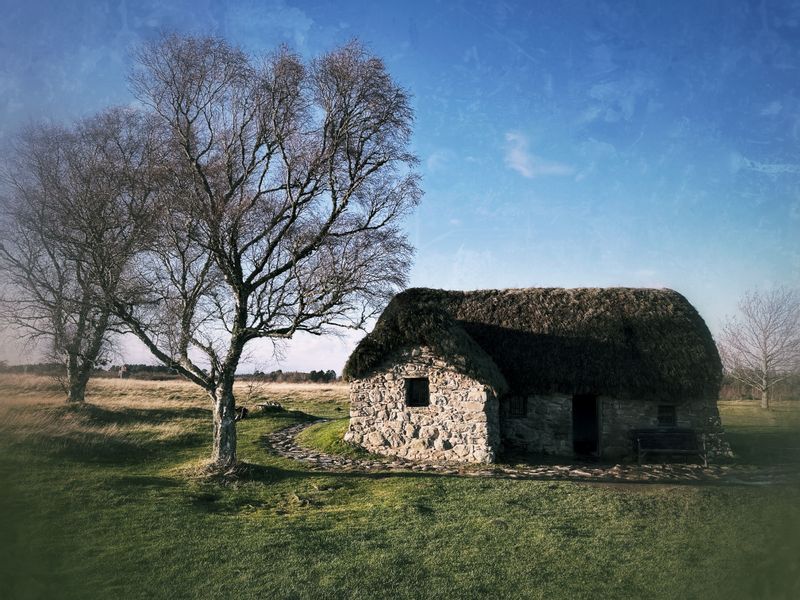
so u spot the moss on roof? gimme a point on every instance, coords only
(624, 342)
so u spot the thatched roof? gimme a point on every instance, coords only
(624, 342)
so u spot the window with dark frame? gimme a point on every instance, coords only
(417, 392)
(667, 416)
(517, 407)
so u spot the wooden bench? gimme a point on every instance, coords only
(669, 441)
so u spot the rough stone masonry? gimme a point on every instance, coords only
(459, 425)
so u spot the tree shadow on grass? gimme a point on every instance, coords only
(99, 415)
(129, 435)
(112, 450)
(134, 482)
(109, 437)
(99, 435)
(289, 417)
(764, 447)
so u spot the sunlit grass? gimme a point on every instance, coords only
(328, 437)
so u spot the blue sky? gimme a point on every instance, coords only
(561, 143)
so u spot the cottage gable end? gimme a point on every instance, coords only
(457, 422)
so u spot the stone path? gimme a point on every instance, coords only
(284, 444)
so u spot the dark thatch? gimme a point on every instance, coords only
(623, 342)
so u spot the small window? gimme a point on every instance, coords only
(666, 415)
(517, 407)
(417, 393)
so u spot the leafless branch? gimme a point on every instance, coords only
(761, 347)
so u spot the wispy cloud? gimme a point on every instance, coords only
(739, 162)
(437, 160)
(527, 164)
(273, 19)
(771, 109)
(618, 100)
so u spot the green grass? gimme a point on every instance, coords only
(763, 437)
(328, 437)
(104, 502)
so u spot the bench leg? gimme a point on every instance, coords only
(705, 452)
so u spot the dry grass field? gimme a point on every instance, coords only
(104, 501)
(28, 389)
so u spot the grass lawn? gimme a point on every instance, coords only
(103, 501)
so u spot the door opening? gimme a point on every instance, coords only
(585, 425)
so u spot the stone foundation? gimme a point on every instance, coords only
(459, 424)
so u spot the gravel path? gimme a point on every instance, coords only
(283, 443)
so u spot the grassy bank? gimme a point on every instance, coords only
(103, 501)
(329, 437)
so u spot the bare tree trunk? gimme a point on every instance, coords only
(81, 363)
(766, 383)
(223, 455)
(75, 384)
(78, 376)
(77, 390)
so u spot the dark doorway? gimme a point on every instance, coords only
(585, 430)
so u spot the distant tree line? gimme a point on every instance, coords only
(280, 376)
(48, 368)
(162, 372)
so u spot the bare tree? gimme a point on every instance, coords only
(762, 346)
(289, 180)
(72, 214)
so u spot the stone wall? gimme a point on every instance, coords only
(459, 425)
(464, 423)
(618, 417)
(547, 427)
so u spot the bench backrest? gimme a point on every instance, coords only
(666, 439)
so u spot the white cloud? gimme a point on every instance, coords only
(256, 20)
(438, 160)
(771, 109)
(519, 158)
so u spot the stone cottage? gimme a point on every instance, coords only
(461, 376)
